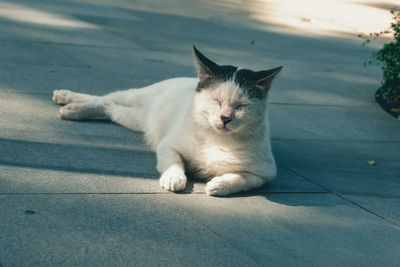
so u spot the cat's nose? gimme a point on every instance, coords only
(226, 119)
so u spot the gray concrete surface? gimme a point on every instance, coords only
(86, 193)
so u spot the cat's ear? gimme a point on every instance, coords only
(205, 67)
(264, 79)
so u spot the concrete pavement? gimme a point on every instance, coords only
(86, 193)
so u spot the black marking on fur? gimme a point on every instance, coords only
(211, 73)
(254, 83)
(223, 74)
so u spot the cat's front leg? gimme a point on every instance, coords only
(170, 165)
(230, 183)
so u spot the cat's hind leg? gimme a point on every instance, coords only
(64, 97)
(130, 117)
(83, 111)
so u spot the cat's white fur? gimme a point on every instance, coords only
(185, 129)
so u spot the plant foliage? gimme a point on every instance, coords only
(388, 57)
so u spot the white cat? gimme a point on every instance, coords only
(213, 127)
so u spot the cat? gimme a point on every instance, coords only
(213, 127)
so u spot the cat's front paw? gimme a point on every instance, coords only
(62, 97)
(173, 179)
(218, 186)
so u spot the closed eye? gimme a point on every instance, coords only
(241, 106)
(219, 102)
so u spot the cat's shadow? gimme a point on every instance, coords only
(272, 193)
(293, 199)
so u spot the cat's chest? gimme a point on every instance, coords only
(212, 154)
(210, 159)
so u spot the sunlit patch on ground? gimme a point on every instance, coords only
(25, 14)
(334, 18)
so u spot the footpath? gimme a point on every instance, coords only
(86, 193)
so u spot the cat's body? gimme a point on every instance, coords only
(209, 127)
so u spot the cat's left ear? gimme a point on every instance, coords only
(205, 67)
(265, 78)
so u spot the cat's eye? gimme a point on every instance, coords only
(218, 101)
(240, 106)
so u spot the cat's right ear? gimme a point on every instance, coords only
(205, 68)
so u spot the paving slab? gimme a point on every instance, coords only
(34, 79)
(106, 230)
(298, 229)
(134, 67)
(385, 204)
(358, 180)
(71, 8)
(321, 83)
(323, 122)
(335, 155)
(341, 167)
(13, 52)
(40, 34)
(37, 23)
(78, 158)
(301, 230)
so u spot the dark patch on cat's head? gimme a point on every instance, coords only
(224, 74)
(254, 83)
(210, 72)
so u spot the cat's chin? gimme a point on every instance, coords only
(223, 129)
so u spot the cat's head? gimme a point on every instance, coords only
(230, 99)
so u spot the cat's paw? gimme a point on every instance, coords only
(62, 97)
(218, 186)
(69, 112)
(173, 179)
